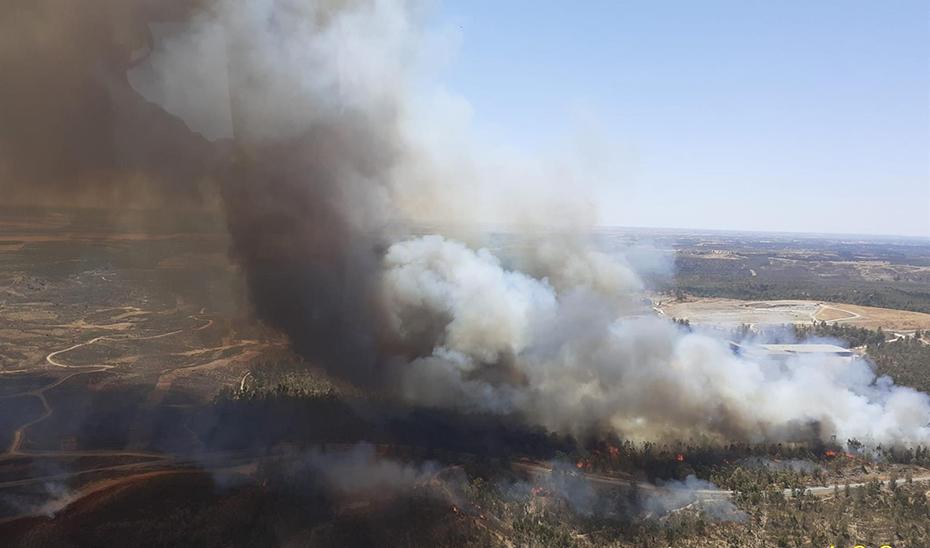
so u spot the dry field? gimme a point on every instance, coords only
(734, 312)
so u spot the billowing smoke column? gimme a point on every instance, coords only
(320, 125)
(575, 365)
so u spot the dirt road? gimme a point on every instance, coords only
(15, 447)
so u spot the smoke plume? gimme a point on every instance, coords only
(320, 126)
(574, 364)
(358, 470)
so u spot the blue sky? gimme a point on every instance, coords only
(802, 116)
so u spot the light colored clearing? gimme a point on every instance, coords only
(131, 313)
(872, 317)
(723, 254)
(734, 312)
(828, 313)
(200, 351)
(82, 324)
(11, 247)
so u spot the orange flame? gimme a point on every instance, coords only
(583, 464)
(680, 457)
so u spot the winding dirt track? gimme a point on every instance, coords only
(166, 379)
(851, 315)
(17, 442)
(156, 464)
(51, 357)
(15, 447)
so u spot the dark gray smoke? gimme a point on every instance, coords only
(101, 105)
(314, 119)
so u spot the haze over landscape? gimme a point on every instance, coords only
(380, 272)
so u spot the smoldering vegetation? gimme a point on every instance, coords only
(358, 470)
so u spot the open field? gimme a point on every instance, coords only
(734, 312)
(898, 321)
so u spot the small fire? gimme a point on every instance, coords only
(829, 453)
(614, 452)
(583, 464)
(680, 457)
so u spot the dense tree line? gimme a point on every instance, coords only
(850, 335)
(906, 360)
(863, 293)
(853, 336)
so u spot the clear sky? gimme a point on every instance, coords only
(802, 115)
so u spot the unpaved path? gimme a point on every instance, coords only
(15, 447)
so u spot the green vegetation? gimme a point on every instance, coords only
(853, 336)
(880, 274)
(865, 293)
(905, 360)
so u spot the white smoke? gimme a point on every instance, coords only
(675, 495)
(558, 341)
(585, 498)
(575, 362)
